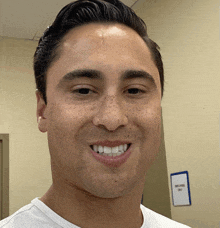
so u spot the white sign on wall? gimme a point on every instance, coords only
(180, 188)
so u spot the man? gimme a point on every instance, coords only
(100, 83)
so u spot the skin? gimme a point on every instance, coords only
(84, 191)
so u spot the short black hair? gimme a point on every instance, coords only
(83, 12)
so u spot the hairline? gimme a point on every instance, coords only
(57, 52)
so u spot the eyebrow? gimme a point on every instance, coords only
(95, 74)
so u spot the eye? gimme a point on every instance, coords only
(135, 91)
(82, 91)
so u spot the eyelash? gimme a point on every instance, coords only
(77, 90)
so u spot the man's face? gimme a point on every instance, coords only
(107, 108)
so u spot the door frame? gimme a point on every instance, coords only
(4, 176)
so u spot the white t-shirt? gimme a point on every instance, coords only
(39, 215)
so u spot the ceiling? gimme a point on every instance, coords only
(28, 19)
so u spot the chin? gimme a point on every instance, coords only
(110, 194)
(111, 189)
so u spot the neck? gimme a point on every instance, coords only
(86, 210)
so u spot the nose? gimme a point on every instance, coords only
(110, 114)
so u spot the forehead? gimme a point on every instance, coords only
(105, 47)
(96, 38)
(101, 30)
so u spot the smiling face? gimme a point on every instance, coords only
(112, 102)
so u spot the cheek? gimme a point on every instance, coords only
(148, 116)
(63, 124)
(153, 122)
(149, 123)
(67, 116)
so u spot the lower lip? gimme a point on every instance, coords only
(111, 161)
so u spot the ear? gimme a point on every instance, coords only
(41, 112)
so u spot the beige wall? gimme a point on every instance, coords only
(156, 189)
(29, 169)
(188, 34)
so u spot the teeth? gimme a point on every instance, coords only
(110, 151)
(121, 148)
(95, 148)
(115, 150)
(107, 150)
(100, 149)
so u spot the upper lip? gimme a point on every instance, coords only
(110, 143)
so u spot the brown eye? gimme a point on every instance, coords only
(83, 91)
(135, 91)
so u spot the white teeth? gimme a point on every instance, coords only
(100, 149)
(110, 151)
(121, 148)
(95, 147)
(107, 150)
(115, 150)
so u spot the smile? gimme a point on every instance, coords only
(110, 151)
(109, 157)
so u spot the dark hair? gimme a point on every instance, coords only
(84, 12)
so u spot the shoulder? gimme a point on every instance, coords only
(17, 218)
(153, 219)
(26, 217)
